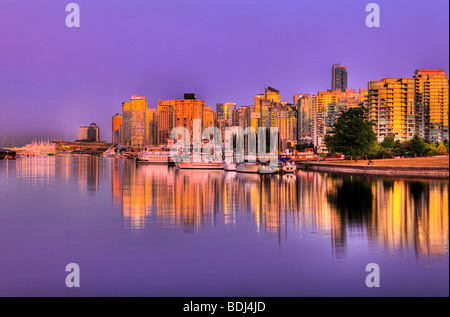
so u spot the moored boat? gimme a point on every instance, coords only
(153, 156)
(229, 166)
(289, 167)
(200, 165)
(247, 167)
(109, 153)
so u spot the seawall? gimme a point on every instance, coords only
(396, 171)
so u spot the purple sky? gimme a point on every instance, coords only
(54, 78)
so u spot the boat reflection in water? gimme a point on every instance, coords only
(398, 216)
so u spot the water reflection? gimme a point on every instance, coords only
(400, 215)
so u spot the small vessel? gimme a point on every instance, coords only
(153, 156)
(200, 165)
(109, 153)
(247, 167)
(229, 166)
(289, 167)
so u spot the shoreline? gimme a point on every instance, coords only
(395, 171)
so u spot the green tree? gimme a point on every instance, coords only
(352, 134)
(403, 148)
(389, 141)
(417, 145)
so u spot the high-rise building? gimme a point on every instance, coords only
(225, 111)
(116, 129)
(134, 122)
(209, 117)
(431, 104)
(138, 120)
(242, 117)
(151, 133)
(89, 133)
(321, 103)
(305, 118)
(391, 107)
(165, 122)
(126, 123)
(339, 77)
(270, 95)
(184, 111)
(93, 133)
(83, 133)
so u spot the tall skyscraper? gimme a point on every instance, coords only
(138, 119)
(305, 119)
(431, 104)
(339, 77)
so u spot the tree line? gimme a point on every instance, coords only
(352, 135)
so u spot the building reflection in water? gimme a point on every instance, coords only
(399, 215)
(50, 170)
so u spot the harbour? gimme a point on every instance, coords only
(160, 225)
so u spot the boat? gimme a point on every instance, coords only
(153, 156)
(229, 166)
(109, 153)
(288, 167)
(200, 165)
(247, 167)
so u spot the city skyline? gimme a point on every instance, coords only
(68, 77)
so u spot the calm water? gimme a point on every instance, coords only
(158, 231)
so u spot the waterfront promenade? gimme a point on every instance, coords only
(434, 167)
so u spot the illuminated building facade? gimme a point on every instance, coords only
(226, 111)
(391, 107)
(431, 104)
(165, 122)
(116, 129)
(126, 123)
(138, 120)
(305, 119)
(185, 111)
(151, 132)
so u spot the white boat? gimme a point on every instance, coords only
(229, 166)
(200, 165)
(247, 167)
(289, 167)
(153, 156)
(109, 153)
